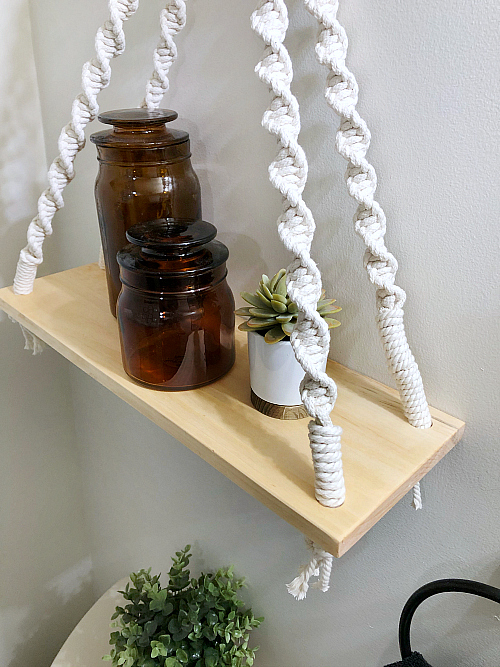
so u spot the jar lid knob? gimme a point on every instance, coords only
(134, 117)
(168, 235)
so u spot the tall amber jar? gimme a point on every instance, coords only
(175, 310)
(145, 173)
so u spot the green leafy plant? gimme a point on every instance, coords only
(189, 623)
(273, 314)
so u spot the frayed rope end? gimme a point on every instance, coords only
(31, 342)
(320, 566)
(417, 497)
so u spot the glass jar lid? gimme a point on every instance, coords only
(167, 236)
(137, 117)
(140, 129)
(172, 250)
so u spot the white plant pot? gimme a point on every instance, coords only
(275, 376)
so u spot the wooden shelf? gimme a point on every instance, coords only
(270, 459)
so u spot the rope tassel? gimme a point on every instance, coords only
(320, 565)
(288, 173)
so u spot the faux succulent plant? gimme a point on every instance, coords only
(272, 312)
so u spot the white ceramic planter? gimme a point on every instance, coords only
(275, 376)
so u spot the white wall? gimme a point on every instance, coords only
(45, 562)
(428, 74)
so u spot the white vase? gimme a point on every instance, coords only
(275, 376)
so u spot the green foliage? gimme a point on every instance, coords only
(272, 312)
(190, 623)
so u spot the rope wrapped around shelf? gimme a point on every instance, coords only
(288, 173)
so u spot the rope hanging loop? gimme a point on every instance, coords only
(310, 339)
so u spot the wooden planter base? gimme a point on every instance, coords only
(277, 411)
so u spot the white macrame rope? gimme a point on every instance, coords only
(353, 140)
(172, 21)
(288, 173)
(31, 342)
(96, 74)
(417, 497)
(320, 565)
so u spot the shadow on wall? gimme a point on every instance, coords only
(45, 568)
(33, 624)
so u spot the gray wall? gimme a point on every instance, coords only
(428, 74)
(45, 563)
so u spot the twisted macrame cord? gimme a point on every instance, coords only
(96, 75)
(288, 173)
(320, 565)
(353, 140)
(172, 21)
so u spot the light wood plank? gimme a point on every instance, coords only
(383, 455)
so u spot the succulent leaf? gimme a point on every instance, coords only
(325, 302)
(265, 313)
(288, 327)
(332, 323)
(278, 297)
(266, 291)
(257, 323)
(279, 306)
(265, 280)
(329, 310)
(275, 279)
(286, 317)
(252, 299)
(274, 335)
(293, 308)
(264, 301)
(244, 312)
(281, 286)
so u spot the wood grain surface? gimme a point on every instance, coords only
(269, 458)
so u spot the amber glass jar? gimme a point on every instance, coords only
(175, 310)
(145, 173)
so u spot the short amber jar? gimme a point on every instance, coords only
(145, 173)
(175, 309)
